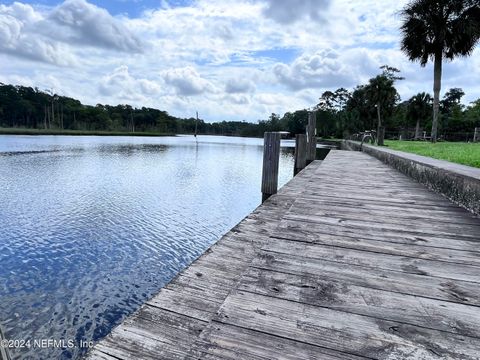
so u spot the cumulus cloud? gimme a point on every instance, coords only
(18, 38)
(239, 85)
(224, 30)
(324, 68)
(47, 34)
(121, 84)
(237, 99)
(84, 23)
(187, 81)
(290, 11)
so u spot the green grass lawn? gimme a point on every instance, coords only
(457, 152)
(20, 131)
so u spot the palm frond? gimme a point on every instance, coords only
(448, 27)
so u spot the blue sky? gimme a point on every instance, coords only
(135, 8)
(130, 8)
(228, 59)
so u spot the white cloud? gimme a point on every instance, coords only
(53, 35)
(290, 11)
(126, 87)
(237, 99)
(323, 69)
(187, 81)
(84, 23)
(18, 36)
(239, 85)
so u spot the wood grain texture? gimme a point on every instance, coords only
(300, 153)
(311, 137)
(271, 160)
(349, 260)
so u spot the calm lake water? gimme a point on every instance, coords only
(91, 227)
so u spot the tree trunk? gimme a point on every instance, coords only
(53, 115)
(58, 116)
(48, 117)
(417, 130)
(437, 85)
(61, 116)
(133, 123)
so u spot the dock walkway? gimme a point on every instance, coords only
(350, 260)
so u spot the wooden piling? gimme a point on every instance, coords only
(311, 138)
(271, 159)
(300, 153)
(381, 136)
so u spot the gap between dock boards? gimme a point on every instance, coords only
(349, 260)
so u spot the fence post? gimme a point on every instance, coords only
(271, 159)
(311, 138)
(300, 153)
(476, 135)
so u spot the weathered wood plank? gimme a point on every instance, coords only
(346, 332)
(376, 260)
(96, 354)
(406, 283)
(271, 158)
(152, 334)
(358, 209)
(375, 198)
(311, 137)
(300, 153)
(223, 341)
(310, 232)
(429, 228)
(467, 254)
(334, 294)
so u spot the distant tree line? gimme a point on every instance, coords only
(377, 103)
(339, 113)
(343, 112)
(26, 107)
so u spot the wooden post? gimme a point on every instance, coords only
(271, 159)
(300, 153)
(476, 135)
(311, 138)
(381, 136)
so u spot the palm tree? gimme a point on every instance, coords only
(434, 29)
(419, 107)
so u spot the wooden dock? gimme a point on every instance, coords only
(350, 260)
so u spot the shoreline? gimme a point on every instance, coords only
(39, 132)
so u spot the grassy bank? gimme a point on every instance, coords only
(457, 152)
(17, 131)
